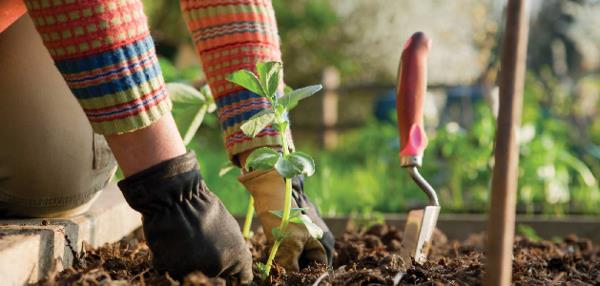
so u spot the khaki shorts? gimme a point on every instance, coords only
(51, 163)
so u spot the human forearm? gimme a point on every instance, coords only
(141, 149)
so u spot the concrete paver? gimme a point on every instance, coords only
(30, 248)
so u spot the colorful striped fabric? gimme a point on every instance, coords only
(106, 55)
(230, 35)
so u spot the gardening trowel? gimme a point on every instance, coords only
(410, 93)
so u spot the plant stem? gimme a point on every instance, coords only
(248, 220)
(194, 125)
(272, 254)
(287, 206)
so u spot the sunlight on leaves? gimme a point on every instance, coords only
(291, 99)
(263, 158)
(247, 80)
(302, 162)
(255, 125)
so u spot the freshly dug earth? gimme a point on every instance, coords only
(364, 257)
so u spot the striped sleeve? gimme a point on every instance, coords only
(230, 35)
(105, 53)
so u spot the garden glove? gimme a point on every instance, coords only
(186, 226)
(299, 248)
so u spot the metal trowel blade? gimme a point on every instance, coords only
(419, 228)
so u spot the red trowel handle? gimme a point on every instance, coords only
(410, 93)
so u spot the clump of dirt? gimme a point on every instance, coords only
(363, 257)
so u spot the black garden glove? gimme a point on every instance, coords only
(186, 226)
(328, 241)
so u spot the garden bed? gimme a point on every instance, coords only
(363, 257)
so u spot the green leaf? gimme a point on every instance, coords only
(263, 158)
(189, 108)
(264, 69)
(287, 89)
(294, 212)
(226, 168)
(280, 109)
(278, 234)
(262, 268)
(296, 220)
(286, 168)
(273, 83)
(302, 162)
(278, 213)
(210, 100)
(269, 75)
(528, 231)
(247, 80)
(183, 93)
(281, 126)
(257, 123)
(261, 113)
(290, 100)
(314, 230)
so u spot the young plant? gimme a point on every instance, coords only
(189, 107)
(288, 164)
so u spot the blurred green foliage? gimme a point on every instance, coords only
(559, 152)
(310, 32)
(311, 39)
(363, 175)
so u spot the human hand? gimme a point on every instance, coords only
(299, 248)
(186, 226)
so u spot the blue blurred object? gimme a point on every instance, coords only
(459, 104)
(474, 92)
(384, 106)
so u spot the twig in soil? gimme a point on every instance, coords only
(320, 279)
(140, 275)
(557, 279)
(397, 278)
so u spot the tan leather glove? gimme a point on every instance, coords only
(299, 248)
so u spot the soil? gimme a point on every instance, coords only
(363, 257)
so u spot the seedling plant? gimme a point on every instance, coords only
(288, 164)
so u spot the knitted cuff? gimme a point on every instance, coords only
(229, 36)
(106, 55)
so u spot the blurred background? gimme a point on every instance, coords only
(353, 48)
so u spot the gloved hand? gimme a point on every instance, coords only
(186, 226)
(299, 248)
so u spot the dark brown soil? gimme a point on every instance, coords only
(362, 258)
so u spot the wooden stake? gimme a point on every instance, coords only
(501, 223)
(329, 117)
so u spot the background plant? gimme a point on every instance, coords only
(557, 173)
(560, 159)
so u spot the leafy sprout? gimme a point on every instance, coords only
(289, 164)
(189, 107)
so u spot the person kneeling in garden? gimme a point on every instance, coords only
(104, 52)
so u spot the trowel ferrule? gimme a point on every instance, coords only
(411, 161)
